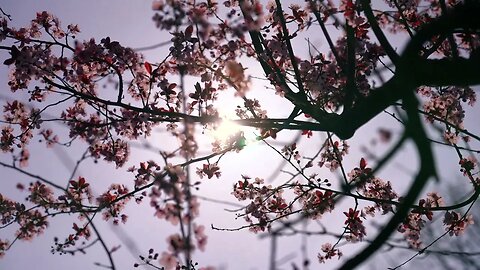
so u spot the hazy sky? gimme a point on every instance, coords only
(130, 23)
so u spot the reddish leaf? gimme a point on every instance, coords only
(148, 67)
(309, 133)
(363, 163)
(81, 181)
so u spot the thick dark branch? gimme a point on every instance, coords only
(443, 72)
(351, 91)
(412, 71)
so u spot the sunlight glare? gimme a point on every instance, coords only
(227, 129)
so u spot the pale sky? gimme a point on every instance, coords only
(130, 23)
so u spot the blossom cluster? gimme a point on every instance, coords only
(414, 223)
(373, 187)
(332, 155)
(265, 203)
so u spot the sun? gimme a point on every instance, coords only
(227, 128)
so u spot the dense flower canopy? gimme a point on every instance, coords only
(107, 96)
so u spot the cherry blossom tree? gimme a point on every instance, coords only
(105, 97)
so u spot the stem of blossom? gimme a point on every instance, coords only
(286, 37)
(404, 19)
(392, 54)
(102, 242)
(325, 33)
(33, 176)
